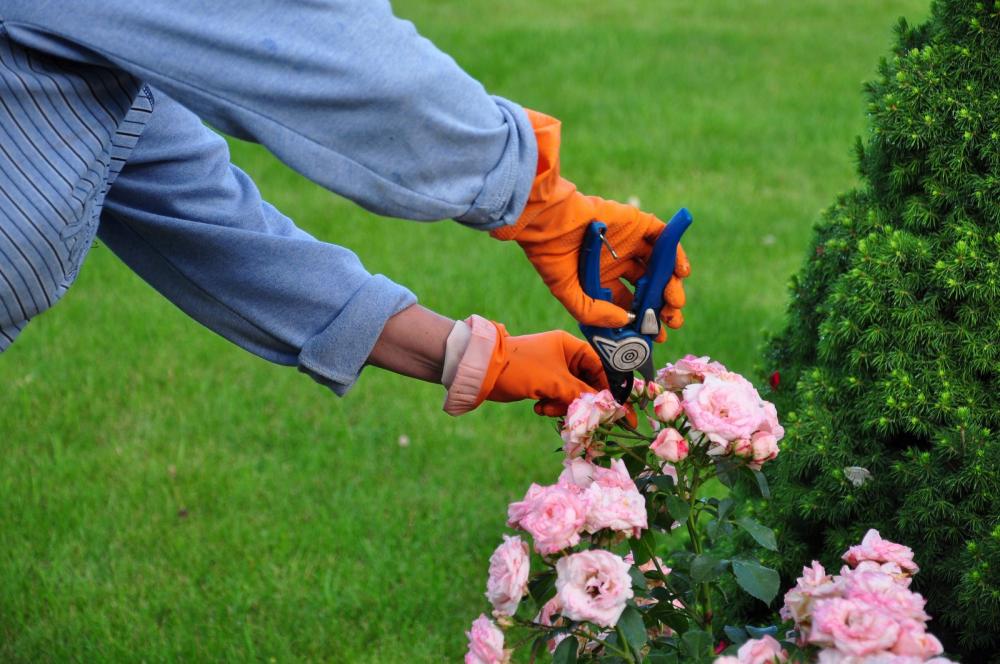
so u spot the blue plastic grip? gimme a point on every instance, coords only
(590, 262)
(649, 288)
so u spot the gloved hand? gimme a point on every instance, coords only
(551, 229)
(553, 368)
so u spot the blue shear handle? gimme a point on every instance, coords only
(590, 262)
(649, 289)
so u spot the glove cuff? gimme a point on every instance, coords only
(547, 183)
(478, 367)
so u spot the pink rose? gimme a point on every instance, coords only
(687, 370)
(914, 641)
(544, 617)
(761, 651)
(873, 547)
(614, 502)
(508, 581)
(486, 643)
(653, 390)
(881, 591)
(724, 408)
(764, 448)
(552, 515)
(667, 407)
(670, 445)
(583, 417)
(616, 509)
(771, 424)
(814, 584)
(892, 569)
(726, 659)
(577, 473)
(852, 627)
(593, 585)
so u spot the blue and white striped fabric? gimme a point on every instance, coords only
(96, 137)
(65, 133)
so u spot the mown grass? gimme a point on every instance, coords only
(168, 497)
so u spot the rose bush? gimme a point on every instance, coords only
(600, 593)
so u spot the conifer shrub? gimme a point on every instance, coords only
(889, 365)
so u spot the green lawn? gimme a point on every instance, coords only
(169, 497)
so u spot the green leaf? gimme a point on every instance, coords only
(761, 632)
(678, 508)
(758, 531)
(542, 586)
(737, 635)
(725, 507)
(705, 567)
(566, 652)
(644, 548)
(761, 582)
(631, 625)
(697, 644)
(765, 490)
(661, 657)
(638, 578)
(724, 471)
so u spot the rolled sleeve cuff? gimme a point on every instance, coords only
(336, 356)
(506, 188)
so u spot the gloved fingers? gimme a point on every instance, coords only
(661, 336)
(586, 309)
(550, 408)
(672, 318)
(585, 365)
(682, 266)
(673, 294)
(620, 293)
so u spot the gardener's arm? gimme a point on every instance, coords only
(195, 227)
(353, 98)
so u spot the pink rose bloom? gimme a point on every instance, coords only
(577, 474)
(814, 584)
(891, 569)
(874, 548)
(593, 585)
(726, 659)
(687, 370)
(670, 445)
(764, 448)
(508, 581)
(761, 651)
(881, 592)
(544, 617)
(486, 643)
(667, 407)
(724, 408)
(771, 424)
(614, 502)
(852, 627)
(552, 515)
(914, 641)
(583, 417)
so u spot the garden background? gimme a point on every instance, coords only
(165, 496)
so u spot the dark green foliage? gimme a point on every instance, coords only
(890, 360)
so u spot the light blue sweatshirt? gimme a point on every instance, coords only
(101, 110)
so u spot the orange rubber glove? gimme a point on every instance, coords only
(551, 228)
(553, 368)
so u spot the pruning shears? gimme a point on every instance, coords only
(624, 350)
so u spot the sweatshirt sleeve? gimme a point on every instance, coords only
(342, 91)
(195, 227)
